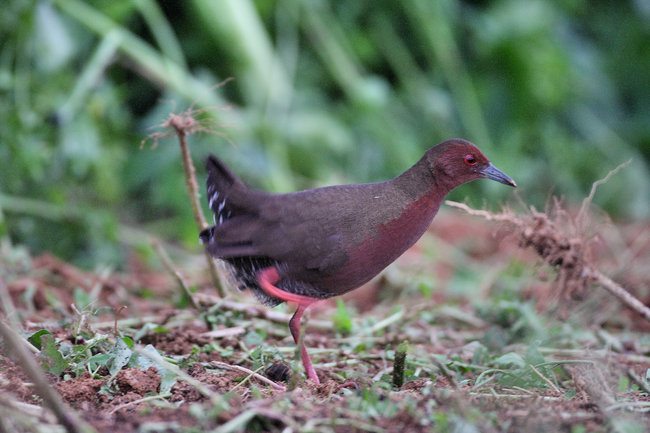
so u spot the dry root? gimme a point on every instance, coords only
(566, 252)
(563, 242)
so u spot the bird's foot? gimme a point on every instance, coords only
(267, 278)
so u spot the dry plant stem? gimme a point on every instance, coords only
(544, 378)
(138, 401)
(167, 263)
(9, 403)
(256, 311)
(66, 416)
(591, 380)
(190, 178)
(214, 274)
(589, 273)
(182, 317)
(10, 314)
(8, 305)
(193, 190)
(245, 379)
(618, 291)
(247, 371)
(227, 332)
(638, 380)
(200, 386)
(117, 315)
(582, 353)
(483, 213)
(582, 214)
(445, 372)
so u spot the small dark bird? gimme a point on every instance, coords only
(310, 245)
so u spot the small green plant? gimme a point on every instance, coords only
(341, 318)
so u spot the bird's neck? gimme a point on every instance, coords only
(419, 184)
(422, 196)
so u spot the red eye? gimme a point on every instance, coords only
(470, 160)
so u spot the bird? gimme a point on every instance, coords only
(306, 246)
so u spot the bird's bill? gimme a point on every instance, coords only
(491, 172)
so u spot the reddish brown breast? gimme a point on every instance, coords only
(391, 240)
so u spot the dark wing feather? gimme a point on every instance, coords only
(235, 209)
(226, 192)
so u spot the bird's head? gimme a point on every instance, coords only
(456, 161)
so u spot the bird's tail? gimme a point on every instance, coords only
(225, 190)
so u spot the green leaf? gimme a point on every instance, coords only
(128, 341)
(149, 327)
(51, 359)
(623, 383)
(122, 355)
(510, 359)
(533, 355)
(81, 299)
(183, 300)
(341, 319)
(167, 382)
(253, 338)
(36, 338)
(99, 360)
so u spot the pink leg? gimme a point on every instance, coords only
(267, 278)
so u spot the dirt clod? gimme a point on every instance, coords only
(138, 381)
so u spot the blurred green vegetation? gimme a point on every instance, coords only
(555, 93)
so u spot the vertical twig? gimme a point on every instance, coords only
(190, 178)
(182, 124)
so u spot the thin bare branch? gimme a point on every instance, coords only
(544, 378)
(249, 372)
(504, 216)
(587, 201)
(617, 290)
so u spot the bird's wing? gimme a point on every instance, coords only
(311, 229)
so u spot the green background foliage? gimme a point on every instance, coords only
(323, 92)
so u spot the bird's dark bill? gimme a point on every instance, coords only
(491, 172)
